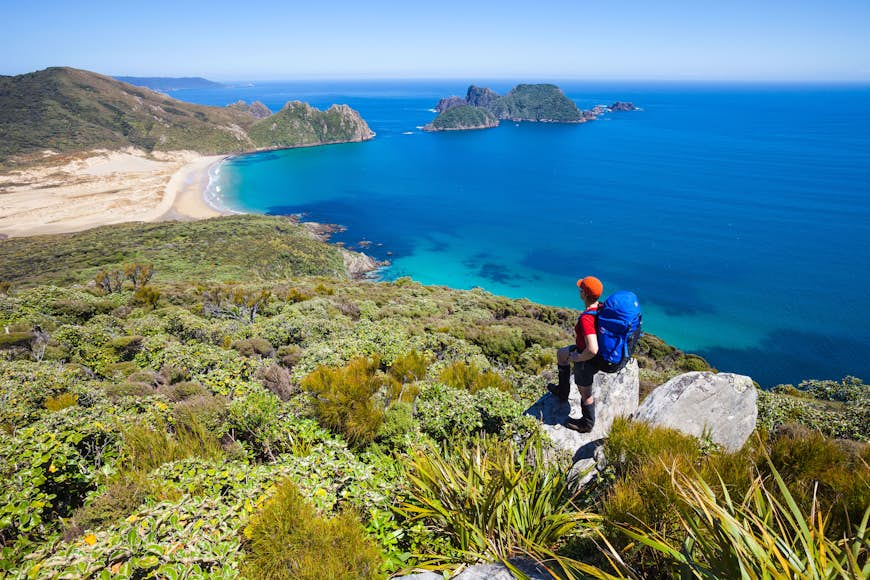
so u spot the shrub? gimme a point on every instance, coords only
(496, 409)
(146, 296)
(493, 501)
(147, 448)
(344, 399)
(129, 389)
(462, 375)
(126, 347)
(289, 355)
(201, 412)
(445, 412)
(398, 423)
(277, 379)
(115, 504)
(254, 347)
(764, 535)
(181, 391)
(62, 401)
(287, 538)
(255, 421)
(410, 367)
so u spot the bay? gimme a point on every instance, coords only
(739, 214)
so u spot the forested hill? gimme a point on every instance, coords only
(67, 110)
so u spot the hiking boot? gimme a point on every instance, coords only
(584, 424)
(563, 389)
(580, 425)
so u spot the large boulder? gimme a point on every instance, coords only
(722, 405)
(615, 395)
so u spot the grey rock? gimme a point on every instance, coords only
(449, 103)
(724, 404)
(481, 96)
(615, 395)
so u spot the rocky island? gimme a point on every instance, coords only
(483, 108)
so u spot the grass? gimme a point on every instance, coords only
(221, 249)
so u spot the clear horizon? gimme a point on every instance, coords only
(680, 40)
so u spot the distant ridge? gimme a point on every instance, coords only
(170, 83)
(65, 110)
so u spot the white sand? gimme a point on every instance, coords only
(73, 193)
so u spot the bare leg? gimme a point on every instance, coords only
(586, 394)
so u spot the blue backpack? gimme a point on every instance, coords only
(618, 326)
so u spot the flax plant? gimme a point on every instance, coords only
(493, 501)
(764, 536)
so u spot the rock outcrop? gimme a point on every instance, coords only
(723, 405)
(450, 102)
(481, 96)
(256, 109)
(622, 106)
(615, 395)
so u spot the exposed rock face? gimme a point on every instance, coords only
(615, 395)
(481, 96)
(256, 109)
(449, 103)
(359, 265)
(724, 404)
(622, 106)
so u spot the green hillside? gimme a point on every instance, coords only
(463, 117)
(68, 110)
(248, 411)
(536, 103)
(299, 124)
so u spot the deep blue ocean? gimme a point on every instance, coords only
(739, 214)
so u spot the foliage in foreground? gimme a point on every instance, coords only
(493, 501)
(763, 535)
(287, 538)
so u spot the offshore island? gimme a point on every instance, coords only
(483, 108)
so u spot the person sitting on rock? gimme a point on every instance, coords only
(584, 354)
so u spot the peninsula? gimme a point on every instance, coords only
(81, 149)
(483, 108)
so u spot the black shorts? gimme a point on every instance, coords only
(584, 371)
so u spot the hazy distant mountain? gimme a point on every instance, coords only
(66, 110)
(170, 83)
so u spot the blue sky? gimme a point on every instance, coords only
(770, 40)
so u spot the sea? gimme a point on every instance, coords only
(738, 213)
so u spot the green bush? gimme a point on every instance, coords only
(398, 423)
(115, 504)
(254, 347)
(288, 539)
(148, 447)
(490, 500)
(462, 375)
(345, 399)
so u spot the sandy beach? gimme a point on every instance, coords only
(74, 193)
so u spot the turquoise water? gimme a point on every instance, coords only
(739, 214)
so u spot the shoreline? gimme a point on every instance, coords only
(71, 193)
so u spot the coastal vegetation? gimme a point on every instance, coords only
(190, 399)
(67, 110)
(463, 117)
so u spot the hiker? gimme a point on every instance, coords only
(584, 354)
(606, 335)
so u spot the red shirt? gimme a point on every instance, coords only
(585, 325)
